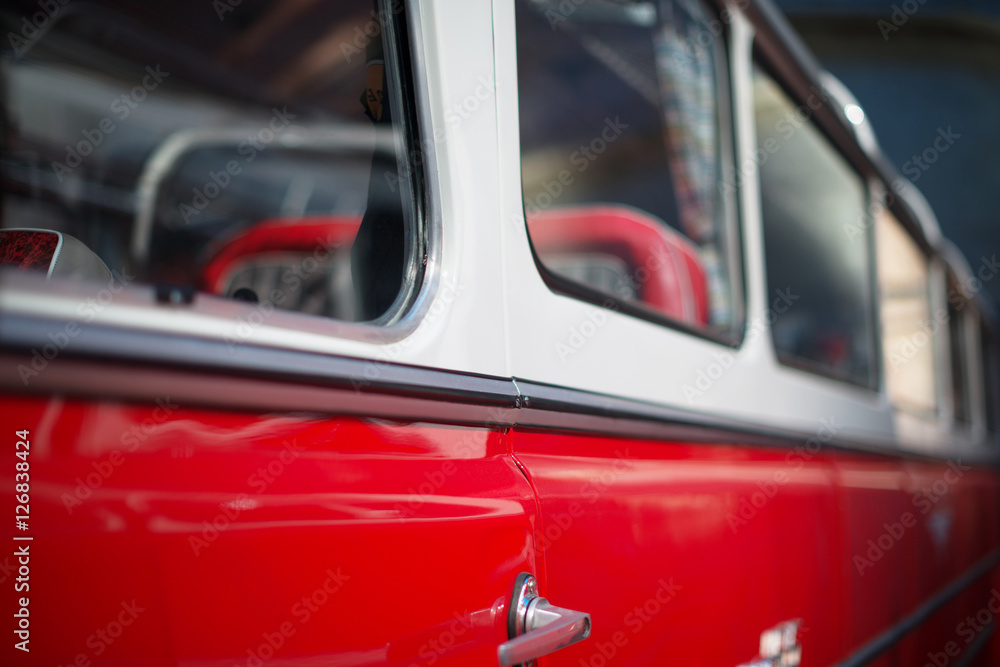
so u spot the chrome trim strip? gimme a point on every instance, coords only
(55, 255)
(424, 144)
(84, 379)
(109, 362)
(109, 348)
(884, 641)
(407, 139)
(548, 407)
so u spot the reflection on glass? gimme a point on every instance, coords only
(811, 199)
(255, 155)
(907, 325)
(623, 141)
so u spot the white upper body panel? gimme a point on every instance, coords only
(485, 308)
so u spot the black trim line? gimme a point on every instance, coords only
(977, 645)
(548, 406)
(884, 641)
(178, 352)
(135, 365)
(552, 407)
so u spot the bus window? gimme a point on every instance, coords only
(810, 199)
(991, 378)
(624, 136)
(243, 150)
(907, 326)
(958, 347)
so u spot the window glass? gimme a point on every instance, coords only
(624, 136)
(991, 377)
(907, 326)
(247, 150)
(811, 200)
(958, 344)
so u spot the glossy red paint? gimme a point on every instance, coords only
(738, 546)
(230, 537)
(166, 534)
(956, 511)
(744, 538)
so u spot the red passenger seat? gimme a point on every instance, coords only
(279, 236)
(664, 266)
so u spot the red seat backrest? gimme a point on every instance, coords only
(665, 265)
(278, 235)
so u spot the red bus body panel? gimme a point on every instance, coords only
(237, 536)
(226, 538)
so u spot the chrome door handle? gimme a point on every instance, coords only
(541, 626)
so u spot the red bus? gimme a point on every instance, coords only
(556, 332)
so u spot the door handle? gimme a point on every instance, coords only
(539, 628)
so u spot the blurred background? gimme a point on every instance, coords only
(918, 67)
